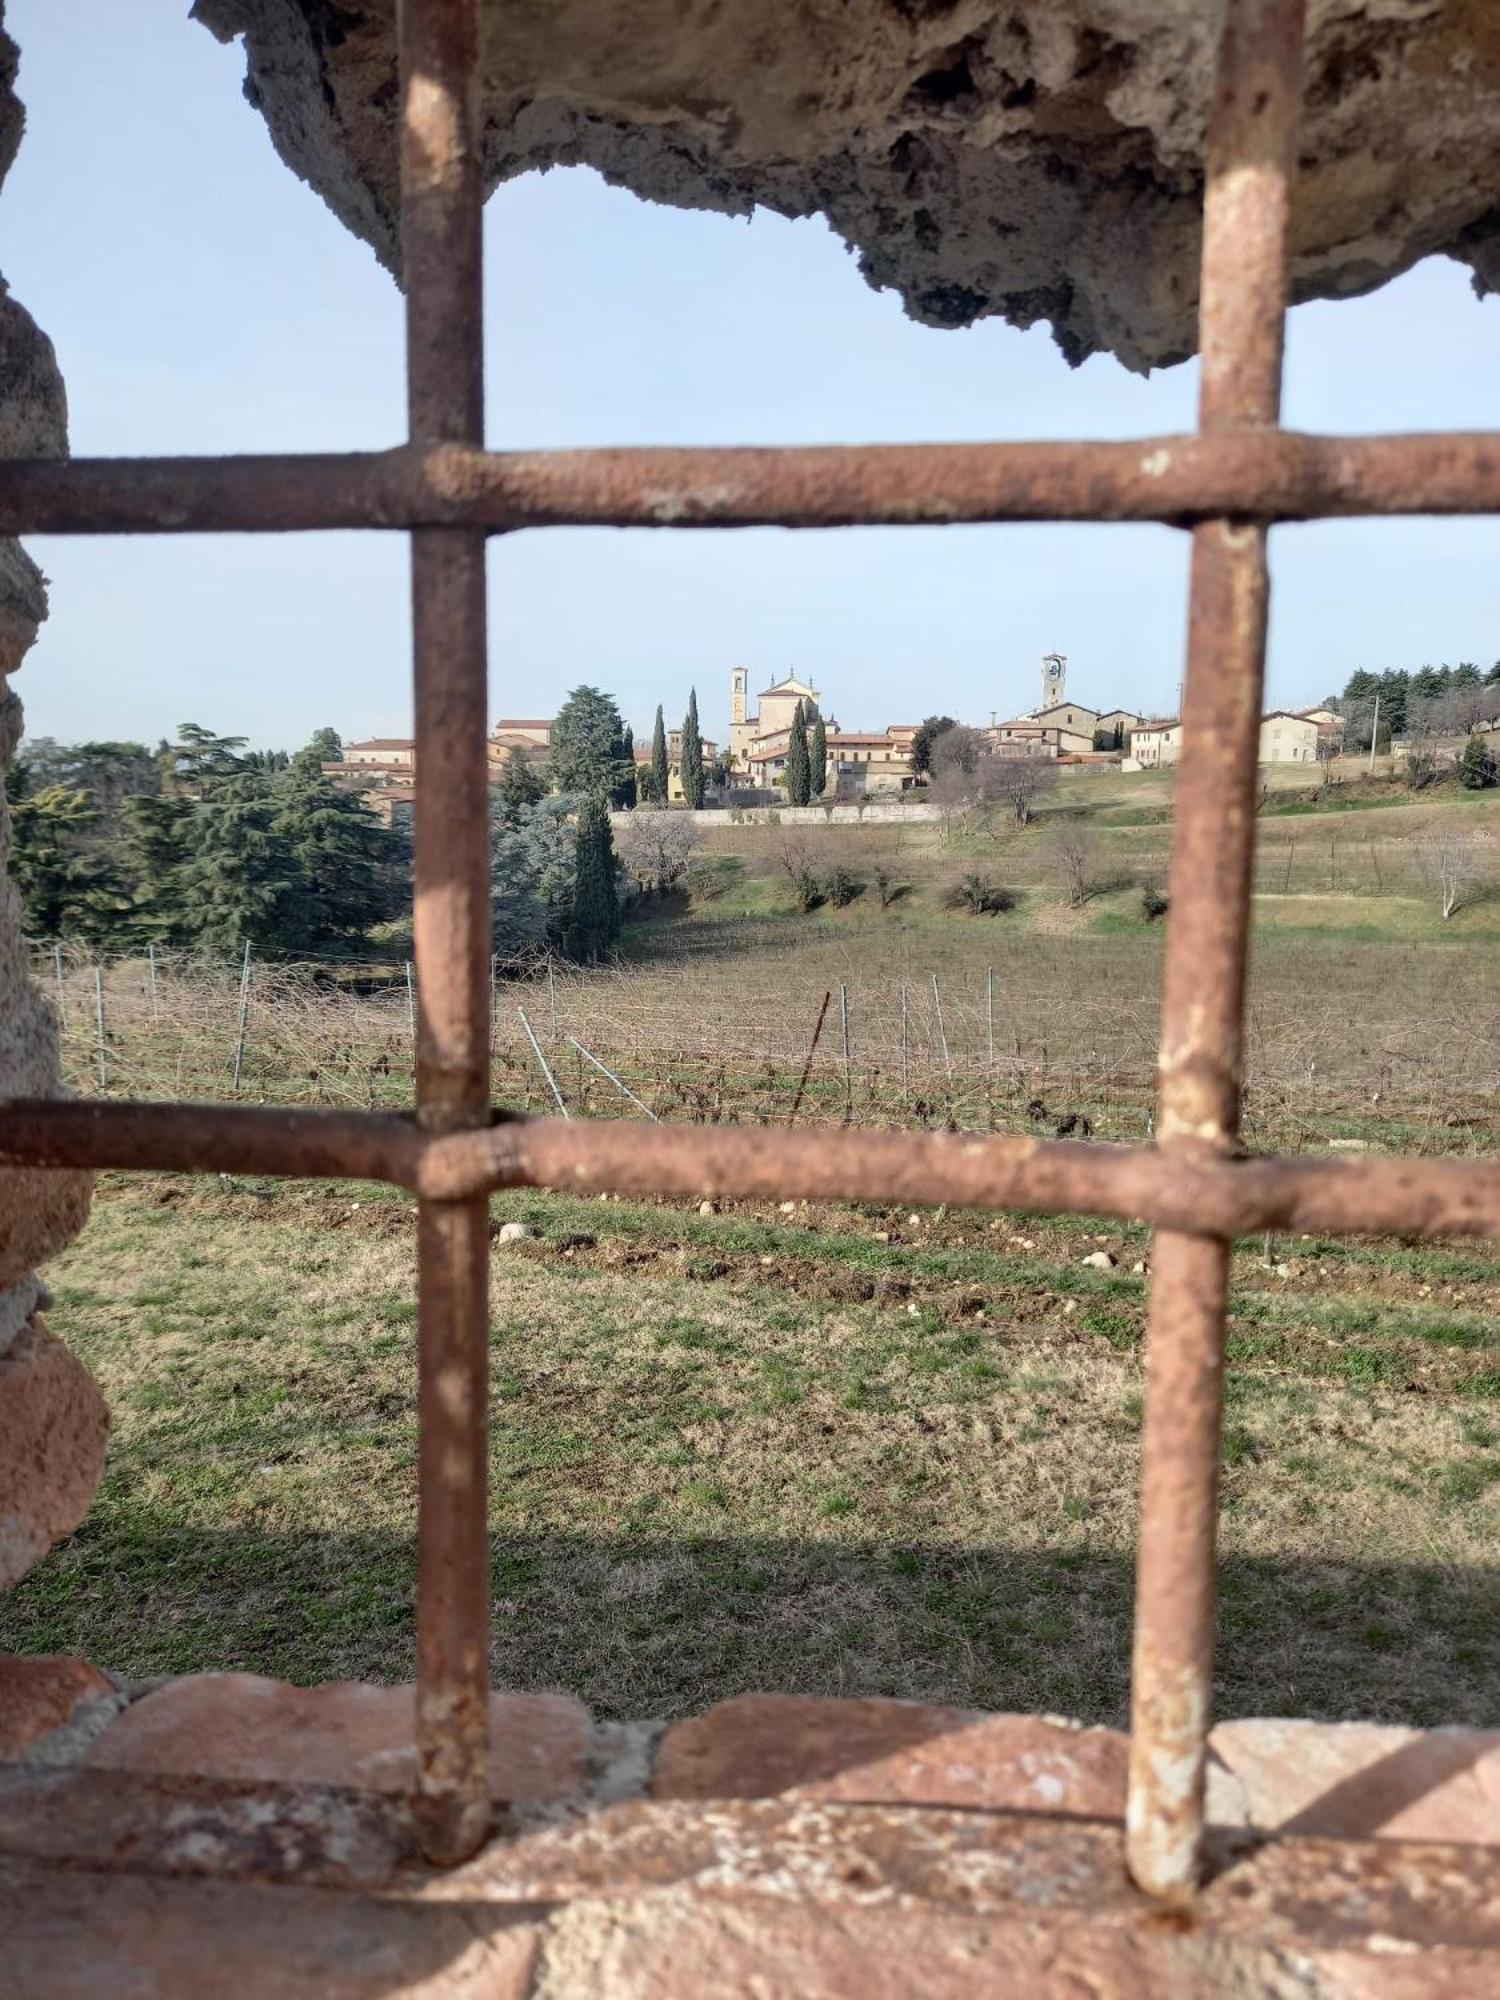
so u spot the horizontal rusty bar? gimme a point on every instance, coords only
(1267, 475)
(1386, 1196)
(291, 1143)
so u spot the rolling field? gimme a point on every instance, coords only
(831, 1449)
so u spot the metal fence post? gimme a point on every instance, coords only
(536, 1049)
(244, 1022)
(102, 1046)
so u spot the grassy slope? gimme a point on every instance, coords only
(841, 1450)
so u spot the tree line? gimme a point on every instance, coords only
(1426, 701)
(200, 843)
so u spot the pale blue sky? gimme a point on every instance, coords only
(202, 299)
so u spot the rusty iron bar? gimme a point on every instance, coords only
(441, 197)
(1227, 1196)
(1250, 164)
(1264, 475)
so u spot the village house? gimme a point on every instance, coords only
(1026, 736)
(532, 737)
(1285, 738)
(675, 793)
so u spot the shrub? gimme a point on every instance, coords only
(841, 887)
(981, 897)
(1153, 901)
(1476, 767)
(1421, 768)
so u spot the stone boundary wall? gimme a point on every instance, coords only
(876, 813)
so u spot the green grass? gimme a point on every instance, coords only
(751, 1450)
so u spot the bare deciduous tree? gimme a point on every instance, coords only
(1073, 857)
(656, 847)
(1453, 865)
(985, 781)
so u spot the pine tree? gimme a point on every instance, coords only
(340, 871)
(68, 888)
(596, 906)
(236, 872)
(798, 764)
(1476, 767)
(519, 788)
(587, 745)
(692, 754)
(818, 757)
(660, 789)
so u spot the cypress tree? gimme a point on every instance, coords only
(818, 757)
(596, 909)
(625, 790)
(659, 789)
(692, 754)
(798, 763)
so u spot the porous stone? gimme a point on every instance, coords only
(763, 1745)
(53, 1431)
(159, 1938)
(514, 1232)
(246, 1728)
(39, 1212)
(1361, 1780)
(1037, 159)
(42, 1695)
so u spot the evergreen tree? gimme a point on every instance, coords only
(660, 788)
(587, 746)
(692, 754)
(234, 876)
(327, 746)
(625, 792)
(798, 763)
(519, 789)
(1467, 675)
(922, 742)
(1476, 767)
(535, 863)
(596, 905)
(68, 888)
(818, 756)
(156, 833)
(340, 871)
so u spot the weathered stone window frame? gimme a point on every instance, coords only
(1227, 486)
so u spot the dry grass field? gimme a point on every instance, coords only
(831, 1449)
(841, 1450)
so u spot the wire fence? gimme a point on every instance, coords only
(1403, 1049)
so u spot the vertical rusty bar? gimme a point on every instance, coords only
(441, 197)
(1250, 160)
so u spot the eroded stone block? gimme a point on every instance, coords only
(53, 1431)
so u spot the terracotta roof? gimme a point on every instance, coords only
(384, 743)
(523, 722)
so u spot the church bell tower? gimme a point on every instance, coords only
(1054, 679)
(739, 694)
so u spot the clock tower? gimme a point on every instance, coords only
(1054, 679)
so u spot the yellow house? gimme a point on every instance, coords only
(1284, 739)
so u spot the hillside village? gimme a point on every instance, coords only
(860, 763)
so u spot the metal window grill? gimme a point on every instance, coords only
(1227, 485)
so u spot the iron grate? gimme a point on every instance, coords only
(1226, 485)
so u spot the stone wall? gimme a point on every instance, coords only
(887, 813)
(778, 1846)
(52, 1419)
